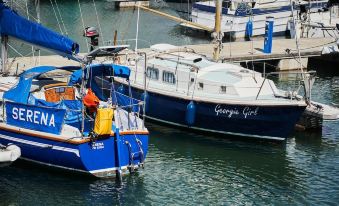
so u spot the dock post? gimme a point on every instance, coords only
(268, 35)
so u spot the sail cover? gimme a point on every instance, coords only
(13, 25)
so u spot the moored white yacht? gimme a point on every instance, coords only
(186, 89)
(243, 17)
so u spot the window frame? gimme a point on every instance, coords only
(148, 74)
(173, 78)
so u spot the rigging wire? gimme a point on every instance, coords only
(56, 17)
(17, 5)
(37, 10)
(96, 13)
(27, 12)
(62, 21)
(83, 24)
(128, 25)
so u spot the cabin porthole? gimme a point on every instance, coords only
(223, 89)
(200, 85)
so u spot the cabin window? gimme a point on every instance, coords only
(168, 77)
(223, 89)
(153, 73)
(60, 90)
(201, 85)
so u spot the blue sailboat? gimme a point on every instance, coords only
(67, 122)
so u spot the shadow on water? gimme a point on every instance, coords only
(326, 66)
(182, 168)
(24, 183)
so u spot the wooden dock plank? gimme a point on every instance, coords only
(242, 51)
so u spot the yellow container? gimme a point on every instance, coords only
(103, 121)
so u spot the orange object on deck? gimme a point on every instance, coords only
(59, 93)
(91, 101)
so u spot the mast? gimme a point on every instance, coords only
(137, 32)
(4, 53)
(217, 30)
(37, 9)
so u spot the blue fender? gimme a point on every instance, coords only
(190, 113)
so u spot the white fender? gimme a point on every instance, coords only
(10, 153)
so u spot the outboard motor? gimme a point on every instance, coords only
(93, 34)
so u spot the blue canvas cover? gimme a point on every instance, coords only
(100, 70)
(125, 101)
(24, 85)
(13, 25)
(73, 108)
(25, 82)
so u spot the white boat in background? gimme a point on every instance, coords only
(320, 23)
(236, 15)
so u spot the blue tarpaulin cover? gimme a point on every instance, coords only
(73, 108)
(25, 82)
(100, 70)
(125, 101)
(12, 24)
(24, 85)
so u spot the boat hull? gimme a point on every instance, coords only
(261, 121)
(98, 158)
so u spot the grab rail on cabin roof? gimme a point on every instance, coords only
(309, 74)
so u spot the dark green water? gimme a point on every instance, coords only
(186, 168)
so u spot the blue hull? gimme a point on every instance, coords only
(270, 122)
(97, 158)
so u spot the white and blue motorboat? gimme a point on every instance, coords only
(186, 89)
(245, 18)
(59, 117)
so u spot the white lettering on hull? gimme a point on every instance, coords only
(246, 112)
(35, 117)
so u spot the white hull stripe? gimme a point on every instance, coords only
(37, 144)
(108, 169)
(221, 132)
(94, 172)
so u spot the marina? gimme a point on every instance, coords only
(171, 81)
(245, 52)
